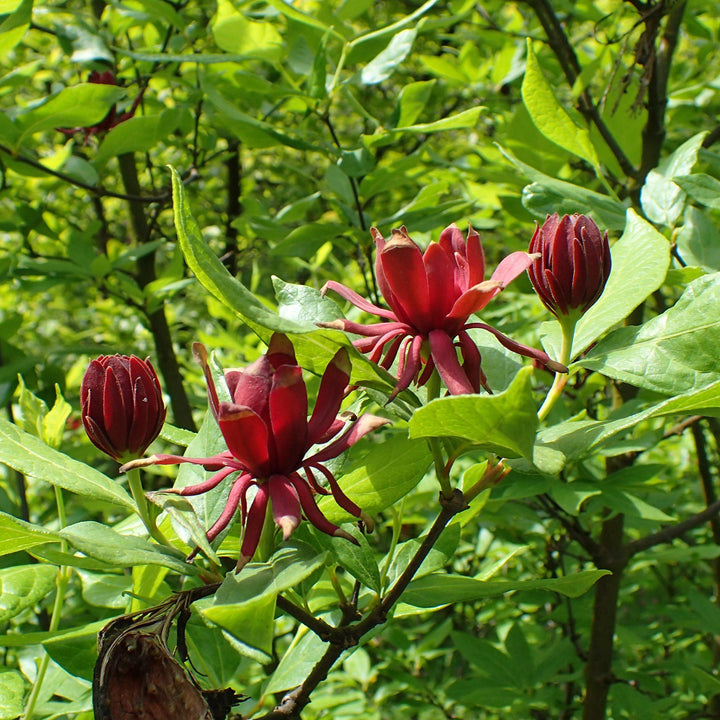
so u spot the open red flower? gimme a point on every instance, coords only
(268, 436)
(431, 297)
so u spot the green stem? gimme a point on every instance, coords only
(61, 582)
(567, 325)
(143, 510)
(441, 469)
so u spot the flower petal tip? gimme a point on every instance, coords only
(140, 462)
(342, 534)
(556, 366)
(242, 561)
(367, 521)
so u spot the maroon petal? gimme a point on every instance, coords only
(312, 512)
(445, 358)
(116, 408)
(288, 417)
(280, 351)
(246, 436)
(223, 459)
(357, 300)
(404, 269)
(338, 495)
(317, 488)
(409, 366)
(380, 345)
(538, 355)
(362, 426)
(330, 395)
(472, 361)
(205, 485)
(237, 491)
(513, 265)
(285, 504)
(200, 355)
(440, 281)
(475, 258)
(252, 387)
(474, 299)
(253, 525)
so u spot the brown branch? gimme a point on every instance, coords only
(97, 191)
(346, 636)
(323, 630)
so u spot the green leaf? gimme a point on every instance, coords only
(250, 623)
(12, 691)
(297, 662)
(672, 353)
(698, 240)
(185, 521)
(103, 543)
(504, 424)
(134, 135)
(14, 27)
(53, 424)
(76, 651)
(609, 213)
(662, 200)
(81, 105)
(303, 304)
(287, 568)
(234, 33)
(443, 589)
(701, 187)
(581, 438)
(16, 535)
(413, 99)
(358, 560)
(22, 586)
(214, 276)
(382, 476)
(549, 116)
(383, 65)
(640, 259)
(30, 456)
(461, 121)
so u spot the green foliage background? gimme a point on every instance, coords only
(294, 128)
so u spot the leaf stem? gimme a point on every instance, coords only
(567, 324)
(143, 509)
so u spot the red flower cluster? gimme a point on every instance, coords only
(122, 405)
(431, 296)
(268, 436)
(112, 118)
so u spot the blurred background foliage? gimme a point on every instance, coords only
(296, 127)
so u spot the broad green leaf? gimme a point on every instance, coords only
(673, 353)
(22, 586)
(214, 276)
(461, 121)
(164, 10)
(288, 567)
(609, 213)
(53, 424)
(698, 240)
(185, 521)
(297, 662)
(701, 187)
(549, 116)
(383, 65)
(107, 590)
(77, 106)
(358, 560)
(581, 438)
(382, 476)
(250, 623)
(662, 199)
(640, 259)
(14, 27)
(234, 33)
(76, 651)
(16, 535)
(134, 135)
(443, 589)
(30, 456)
(12, 692)
(103, 543)
(413, 99)
(504, 424)
(303, 304)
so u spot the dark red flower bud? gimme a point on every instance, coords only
(122, 405)
(574, 263)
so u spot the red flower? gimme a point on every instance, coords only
(574, 263)
(112, 118)
(268, 436)
(122, 405)
(431, 297)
